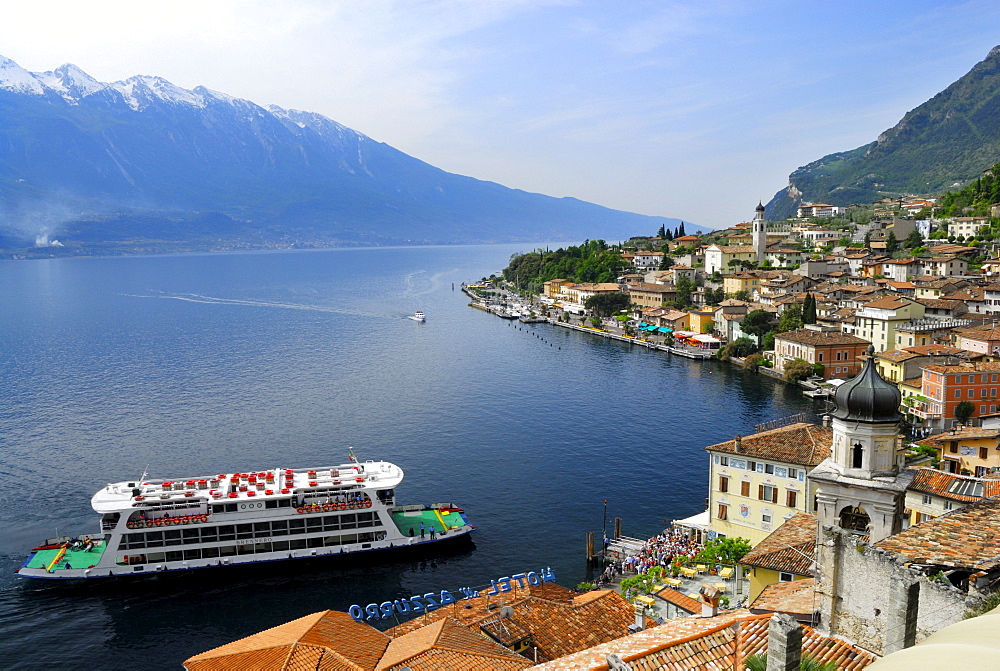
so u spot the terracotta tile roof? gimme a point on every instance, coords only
(840, 653)
(979, 366)
(988, 334)
(949, 485)
(915, 382)
(695, 643)
(796, 597)
(560, 621)
(888, 303)
(447, 644)
(329, 639)
(965, 433)
(680, 600)
(804, 336)
(791, 547)
(965, 538)
(935, 350)
(897, 355)
(804, 444)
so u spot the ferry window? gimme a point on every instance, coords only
(262, 547)
(227, 550)
(244, 549)
(280, 546)
(192, 554)
(348, 522)
(220, 508)
(154, 557)
(271, 504)
(172, 537)
(366, 538)
(315, 542)
(262, 528)
(209, 535)
(349, 538)
(230, 507)
(331, 524)
(297, 544)
(365, 517)
(227, 532)
(244, 531)
(210, 553)
(331, 540)
(175, 556)
(189, 534)
(314, 524)
(296, 526)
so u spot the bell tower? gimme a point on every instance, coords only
(861, 487)
(759, 232)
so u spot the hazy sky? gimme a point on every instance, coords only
(694, 110)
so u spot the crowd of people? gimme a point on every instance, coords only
(660, 550)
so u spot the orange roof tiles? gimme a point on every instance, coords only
(804, 444)
(795, 598)
(329, 639)
(447, 644)
(791, 547)
(939, 483)
(965, 538)
(560, 621)
(721, 642)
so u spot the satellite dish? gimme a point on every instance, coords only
(506, 611)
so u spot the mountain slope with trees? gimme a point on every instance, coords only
(944, 141)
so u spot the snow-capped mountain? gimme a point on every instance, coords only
(144, 159)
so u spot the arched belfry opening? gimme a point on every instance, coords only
(854, 518)
(857, 456)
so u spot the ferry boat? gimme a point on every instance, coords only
(418, 316)
(151, 526)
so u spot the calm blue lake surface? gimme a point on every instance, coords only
(201, 364)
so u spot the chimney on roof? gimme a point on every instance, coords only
(784, 643)
(738, 444)
(827, 421)
(640, 617)
(709, 601)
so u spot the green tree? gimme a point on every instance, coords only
(742, 347)
(791, 319)
(667, 262)
(684, 288)
(729, 550)
(798, 369)
(963, 411)
(809, 310)
(758, 662)
(605, 305)
(680, 231)
(742, 295)
(757, 323)
(914, 239)
(662, 233)
(891, 244)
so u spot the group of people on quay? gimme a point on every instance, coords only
(660, 550)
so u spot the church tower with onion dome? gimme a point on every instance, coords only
(861, 487)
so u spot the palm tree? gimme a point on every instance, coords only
(759, 663)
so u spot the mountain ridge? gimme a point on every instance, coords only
(168, 157)
(942, 143)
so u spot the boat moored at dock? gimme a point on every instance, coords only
(150, 526)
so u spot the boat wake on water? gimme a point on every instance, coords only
(215, 300)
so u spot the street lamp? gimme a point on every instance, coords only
(604, 536)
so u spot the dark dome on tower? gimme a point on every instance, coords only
(866, 397)
(760, 207)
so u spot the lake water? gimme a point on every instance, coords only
(190, 365)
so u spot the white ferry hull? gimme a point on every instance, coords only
(243, 519)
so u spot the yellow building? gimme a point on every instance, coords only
(758, 482)
(786, 555)
(745, 281)
(933, 493)
(701, 320)
(972, 450)
(876, 322)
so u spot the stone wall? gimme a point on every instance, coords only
(853, 595)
